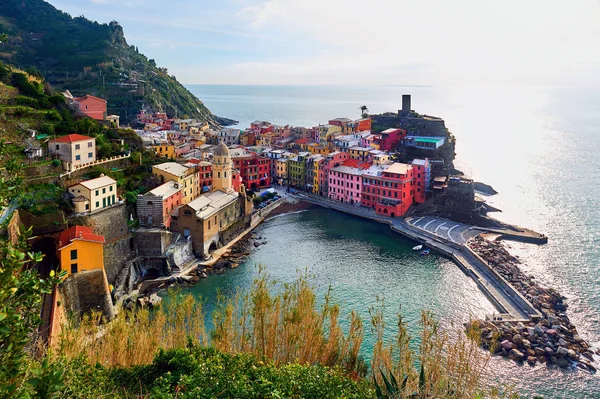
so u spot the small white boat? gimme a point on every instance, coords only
(418, 248)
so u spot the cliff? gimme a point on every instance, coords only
(86, 57)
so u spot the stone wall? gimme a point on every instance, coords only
(180, 253)
(152, 242)
(87, 291)
(234, 230)
(119, 247)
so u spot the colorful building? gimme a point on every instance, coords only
(80, 250)
(94, 195)
(345, 181)
(361, 125)
(281, 170)
(390, 138)
(185, 175)
(91, 106)
(296, 168)
(331, 161)
(425, 143)
(312, 171)
(388, 189)
(164, 150)
(346, 124)
(74, 149)
(154, 208)
(324, 133)
(422, 175)
(255, 169)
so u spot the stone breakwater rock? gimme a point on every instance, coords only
(553, 339)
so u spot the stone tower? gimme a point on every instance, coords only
(221, 169)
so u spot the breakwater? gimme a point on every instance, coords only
(529, 314)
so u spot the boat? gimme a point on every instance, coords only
(425, 252)
(418, 248)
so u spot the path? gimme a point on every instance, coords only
(449, 238)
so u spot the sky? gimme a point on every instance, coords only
(351, 42)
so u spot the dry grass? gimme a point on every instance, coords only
(287, 327)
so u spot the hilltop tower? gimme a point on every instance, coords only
(222, 169)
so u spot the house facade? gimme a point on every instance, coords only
(80, 250)
(94, 195)
(91, 106)
(154, 208)
(74, 149)
(185, 175)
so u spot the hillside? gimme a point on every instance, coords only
(86, 57)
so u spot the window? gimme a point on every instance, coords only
(78, 157)
(87, 207)
(73, 254)
(73, 268)
(77, 146)
(90, 144)
(97, 192)
(97, 204)
(104, 190)
(57, 147)
(90, 155)
(111, 188)
(113, 198)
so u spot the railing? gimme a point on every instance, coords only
(74, 168)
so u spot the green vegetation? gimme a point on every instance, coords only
(86, 57)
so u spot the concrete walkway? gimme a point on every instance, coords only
(450, 242)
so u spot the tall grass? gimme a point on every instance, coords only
(288, 327)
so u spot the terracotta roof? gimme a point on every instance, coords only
(83, 233)
(71, 138)
(303, 141)
(88, 96)
(355, 163)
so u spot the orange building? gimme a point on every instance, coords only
(361, 125)
(79, 249)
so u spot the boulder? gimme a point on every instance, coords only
(516, 355)
(538, 330)
(562, 352)
(506, 345)
(154, 300)
(539, 352)
(572, 354)
(562, 362)
(549, 351)
(531, 360)
(562, 342)
(517, 339)
(526, 344)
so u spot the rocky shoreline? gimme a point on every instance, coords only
(554, 339)
(231, 259)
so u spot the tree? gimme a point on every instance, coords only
(3, 38)
(364, 111)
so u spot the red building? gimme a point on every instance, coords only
(156, 206)
(255, 170)
(421, 173)
(390, 138)
(91, 106)
(388, 189)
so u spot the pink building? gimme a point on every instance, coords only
(345, 181)
(91, 106)
(390, 138)
(331, 161)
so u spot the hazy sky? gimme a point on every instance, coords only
(551, 42)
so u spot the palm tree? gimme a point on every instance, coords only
(364, 111)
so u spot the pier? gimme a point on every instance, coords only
(449, 239)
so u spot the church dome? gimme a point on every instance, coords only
(221, 150)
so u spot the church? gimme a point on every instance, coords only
(213, 219)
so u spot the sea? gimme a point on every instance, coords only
(539, 147)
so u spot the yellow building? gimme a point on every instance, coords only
(80, 250)
(316, 169)
(315, 148)
(281, 170)
(360, 153)
(93, 195)
(165, 150)
(185, 175)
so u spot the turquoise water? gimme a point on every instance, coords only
(538, 146)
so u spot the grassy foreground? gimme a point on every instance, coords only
(263, 345)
